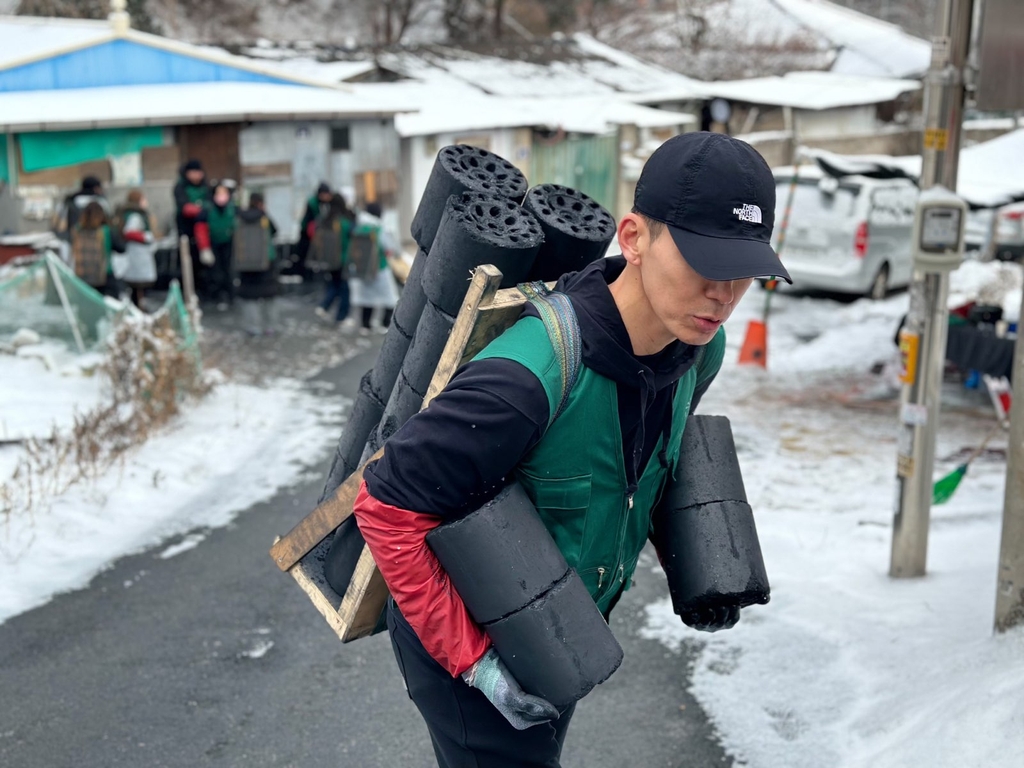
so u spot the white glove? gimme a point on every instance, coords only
(206, 257)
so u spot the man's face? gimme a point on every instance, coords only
(195, 177)
(690, 307)
(325, 197)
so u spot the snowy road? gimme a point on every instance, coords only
(199, 652)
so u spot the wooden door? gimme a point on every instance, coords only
(215, 146)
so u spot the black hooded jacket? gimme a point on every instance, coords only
(457, 454)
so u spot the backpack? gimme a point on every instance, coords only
(89, 253)
(364, 253)
(252, 245)
(327, 243)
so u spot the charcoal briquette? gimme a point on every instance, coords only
(413, 299)
(461, 168)
(577, 230)
(363, 418)
(708, 468)
(389, 359)
(559, 646)
(404, 403)
(499, 557)
(427, 346)
(479, 229)
(711, 556)
(343, 555)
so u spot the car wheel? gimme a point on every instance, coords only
(880, 285)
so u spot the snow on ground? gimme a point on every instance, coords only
(234, 448)
(846, 667)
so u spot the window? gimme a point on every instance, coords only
(340, 139)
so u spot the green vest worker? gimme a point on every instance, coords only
(651, 329)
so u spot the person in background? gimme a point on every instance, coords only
(315, 206)
(214, 235)
(92, 245)
(136, 228)
(376, 288)
(335, 224)
(190, 194)
(257, 289)
(91, 191)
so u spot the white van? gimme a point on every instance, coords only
(849, 235)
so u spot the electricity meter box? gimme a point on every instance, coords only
(939, 222)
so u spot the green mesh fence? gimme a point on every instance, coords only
(50, 300)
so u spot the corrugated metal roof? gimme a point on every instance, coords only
(182, 103)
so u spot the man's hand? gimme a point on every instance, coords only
(492, 678)
(712, 619)
(206, 257)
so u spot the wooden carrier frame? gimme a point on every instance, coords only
(485, 314)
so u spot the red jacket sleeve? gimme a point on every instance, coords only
(420, 586)
(202, 235)
(191, 210)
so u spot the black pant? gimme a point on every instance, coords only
(465, 728)
(221, 281)
(385, 319)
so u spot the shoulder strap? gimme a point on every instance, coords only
(563, 327)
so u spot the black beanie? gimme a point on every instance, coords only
(193, 165)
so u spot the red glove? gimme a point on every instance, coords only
(135, 236)
(191, 210)
(202, 235)
(398, 540)
(311, 229)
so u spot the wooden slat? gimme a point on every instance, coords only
(364, 600)
(482, 289)
(319, 523)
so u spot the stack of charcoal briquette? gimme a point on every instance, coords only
(476, 209)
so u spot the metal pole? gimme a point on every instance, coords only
(926, 326)
(1010, 579)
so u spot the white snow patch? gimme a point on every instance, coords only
(847, 667)
(259, 650)
(191, 541)
(222, 455)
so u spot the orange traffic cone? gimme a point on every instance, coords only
(755, 345)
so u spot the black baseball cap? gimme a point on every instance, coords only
(717, 196)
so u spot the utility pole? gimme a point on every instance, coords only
(923, 340)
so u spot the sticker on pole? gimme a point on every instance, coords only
(910, 344)
(914, 414)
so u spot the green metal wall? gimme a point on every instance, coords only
(588, 163)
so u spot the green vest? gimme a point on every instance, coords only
(576, 474)
(221, 222)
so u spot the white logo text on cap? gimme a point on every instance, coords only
(749, 213)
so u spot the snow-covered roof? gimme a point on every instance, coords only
(726, 39)
(325, 71)
(811, 90)
(865, 45)
(28, 39)
(982, 177)
(584, 67)
(24, 38)
(182, 103)
(587, 114)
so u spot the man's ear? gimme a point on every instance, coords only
(632, 232)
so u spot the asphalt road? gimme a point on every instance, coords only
(215, 658)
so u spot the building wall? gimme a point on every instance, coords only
(842, 121)
(287, 161)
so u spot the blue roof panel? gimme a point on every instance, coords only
(123, 62)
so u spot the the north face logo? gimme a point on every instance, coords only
(749, 213)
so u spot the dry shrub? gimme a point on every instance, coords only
(151, 373)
